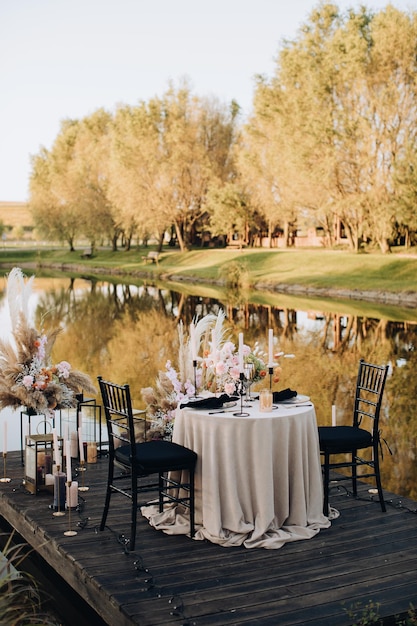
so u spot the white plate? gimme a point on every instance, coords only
(299, 399)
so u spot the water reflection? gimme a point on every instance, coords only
(127, 332)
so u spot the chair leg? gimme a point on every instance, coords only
(192, 501)
(160, 492)
(354, 474)
(378, 481)
(108, 495)
(326, 481)
(134, 511)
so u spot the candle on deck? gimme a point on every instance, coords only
(240, 353)
(270, 348)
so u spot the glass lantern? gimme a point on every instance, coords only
(39, 468)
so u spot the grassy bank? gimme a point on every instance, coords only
(254, 268)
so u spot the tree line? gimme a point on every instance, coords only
(331, 143)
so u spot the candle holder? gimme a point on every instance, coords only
(249, 374)
(270, 372)
(69, 532)
(82, 468)
(59, 494)
(241, 391)
(196, 396)
(4, 479)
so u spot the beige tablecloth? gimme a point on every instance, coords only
(258, 478)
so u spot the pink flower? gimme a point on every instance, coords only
(229, 388)
(234, 372)
(27, 381)
(220, 368)
(63, 369)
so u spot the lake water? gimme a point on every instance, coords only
(127, 332)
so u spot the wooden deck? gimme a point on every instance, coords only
(366, 556)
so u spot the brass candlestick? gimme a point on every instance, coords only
(69, 532)
(5, 479)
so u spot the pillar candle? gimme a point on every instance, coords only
(49, 479)
(270, 348)
(81, 445)
(72, 495)
(241, 353)
(59, 491)
(92, 452)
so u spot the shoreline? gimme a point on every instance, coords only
(404, 299)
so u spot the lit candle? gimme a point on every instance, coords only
(68, 454)
(271, 348)
(333, 415)
(193, 342)
(81, 445)
(4, 437)
(241, 353)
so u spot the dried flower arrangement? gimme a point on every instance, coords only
(27, 375)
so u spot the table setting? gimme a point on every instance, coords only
(258, 481)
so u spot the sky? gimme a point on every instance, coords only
(63, 59)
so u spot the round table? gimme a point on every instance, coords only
(258, 477)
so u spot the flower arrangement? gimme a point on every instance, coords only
(28, 376)
(216, 371)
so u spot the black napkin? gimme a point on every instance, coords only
(285, 394)
(208, 403)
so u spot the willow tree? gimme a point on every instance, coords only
(68, 184)
(165, 154)
(338, 112)
(54, 208)
(197, 137)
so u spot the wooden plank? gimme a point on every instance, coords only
(366, 555)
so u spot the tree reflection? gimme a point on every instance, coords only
(126, 333)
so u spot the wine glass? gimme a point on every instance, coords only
(249, 370)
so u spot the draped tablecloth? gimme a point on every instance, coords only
(258, 478)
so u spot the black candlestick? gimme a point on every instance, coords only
(271, 372)
(241, 393)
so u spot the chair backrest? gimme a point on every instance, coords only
(120, 421)
(368, 396)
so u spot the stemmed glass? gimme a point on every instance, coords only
(249, 370)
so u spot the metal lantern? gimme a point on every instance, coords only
(39, 468)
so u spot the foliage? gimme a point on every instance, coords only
(331, 144)
(369, 614)
(20, 598)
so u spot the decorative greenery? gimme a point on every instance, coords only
(20, 598)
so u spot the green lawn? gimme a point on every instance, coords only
(315, 268)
